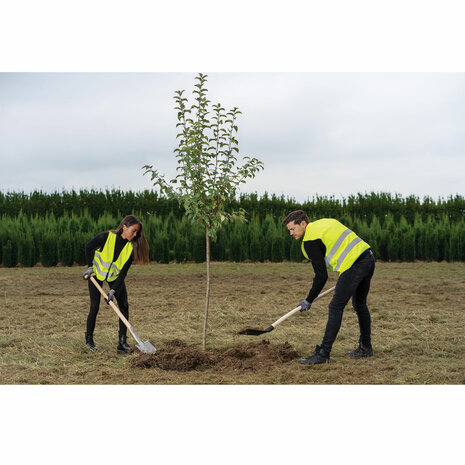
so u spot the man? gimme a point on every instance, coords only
(329, 244)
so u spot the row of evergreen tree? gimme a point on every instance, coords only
(51, 240)
(117, 203)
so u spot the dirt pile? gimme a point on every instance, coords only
(176, 355)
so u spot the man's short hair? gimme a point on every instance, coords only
(296, 216)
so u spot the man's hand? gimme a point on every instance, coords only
(304, 305)
(111, 294)
(88, 273)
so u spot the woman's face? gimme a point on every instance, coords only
(130, 232)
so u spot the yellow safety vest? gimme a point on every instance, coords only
(343, 246)
(103, 266)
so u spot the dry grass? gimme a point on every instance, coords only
(417, 311)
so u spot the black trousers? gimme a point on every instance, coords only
(355, 283)
(122, 299)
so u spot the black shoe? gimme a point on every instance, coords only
(361, 351)
(123, 347)
(90, 344)
(320, 356)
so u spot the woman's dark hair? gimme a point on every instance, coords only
(140, 244)
(296, 216)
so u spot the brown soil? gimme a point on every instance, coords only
(176, 355)
(251, 331)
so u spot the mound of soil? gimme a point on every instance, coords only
(178, 356)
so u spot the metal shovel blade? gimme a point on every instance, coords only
(146, 347)
(255, 332)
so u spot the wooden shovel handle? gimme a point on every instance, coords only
(116, 309)
(295, 310)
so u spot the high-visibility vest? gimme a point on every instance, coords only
(103, 266)
(343, 246)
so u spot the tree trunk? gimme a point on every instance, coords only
(207, 297)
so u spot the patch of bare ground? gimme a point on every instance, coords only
(177, 355)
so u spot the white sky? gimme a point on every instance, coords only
(317, 133)
(369, 124)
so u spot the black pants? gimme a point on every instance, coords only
(355, 283)
(122, 299)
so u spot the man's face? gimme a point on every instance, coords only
(297, 230)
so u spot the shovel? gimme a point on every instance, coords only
(146, 346)
(257, 332)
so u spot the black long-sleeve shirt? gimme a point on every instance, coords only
(316, 252)
(97, 243)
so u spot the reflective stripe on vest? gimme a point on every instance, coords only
(103, 266)
(336, 246)
(342, 245)
(345, 252)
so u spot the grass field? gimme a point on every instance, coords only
(418, 324)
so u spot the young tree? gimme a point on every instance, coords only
(208, 172)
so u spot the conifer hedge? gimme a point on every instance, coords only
(53, 228)
(93, 204)
(50, 240)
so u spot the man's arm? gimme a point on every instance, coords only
(316, 253)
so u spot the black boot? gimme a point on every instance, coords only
(90, 344)
(319, 356)
(361, 351)
(123, 347)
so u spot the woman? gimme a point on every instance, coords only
(115, 251)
